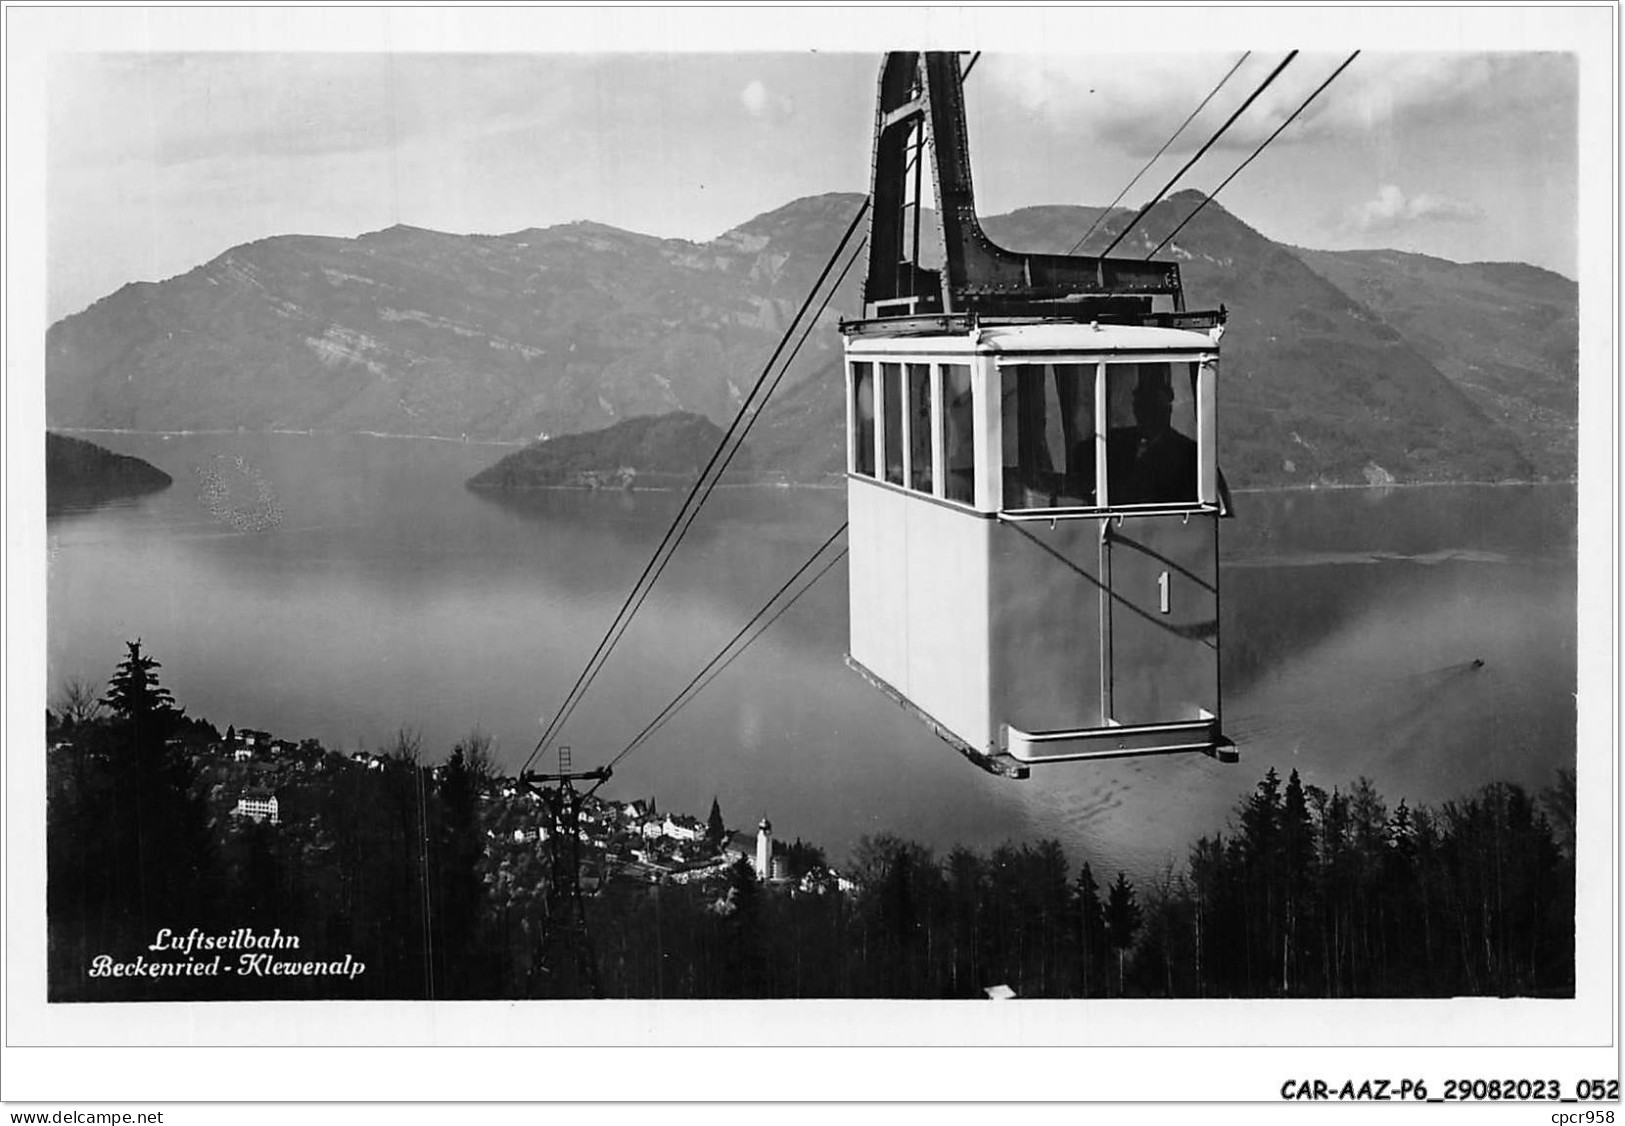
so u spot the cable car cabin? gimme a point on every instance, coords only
(1034, 538)
(1032, 482)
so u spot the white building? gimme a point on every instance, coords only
(764, 849)
(682, 828)
(258, 807)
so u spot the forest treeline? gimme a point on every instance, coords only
(412, 870)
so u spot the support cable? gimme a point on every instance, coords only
(648, 587)
(691, 505)
(1210, 196)
(720, 669)
(690, 508)
(690, 690)
(1251, 98)
(1147, 166)
(717, 476)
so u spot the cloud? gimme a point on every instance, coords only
(754, 95)
(174, 109)
(1136, 102)
(764, 103)
(1391, 209)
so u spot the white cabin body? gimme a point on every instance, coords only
(1034, 559)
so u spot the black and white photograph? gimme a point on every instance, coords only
(1088, 530)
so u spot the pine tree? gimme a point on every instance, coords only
(1050, 908)
(1557, 801)
(131, 849)
(744, 961)
(134, 693)
(1122, 921)
(715, 830)
(1210, 877)
(1260, 849)
(1370, 837)
(966, 874)
(1297, 874)
(460, 888)
(1261, 818)
(1092, 920)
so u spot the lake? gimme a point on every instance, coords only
(342, 588)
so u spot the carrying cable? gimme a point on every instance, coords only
(1210, 196)
(717, 476)
(687, 514)
(690, 507)
(720, 669)
(722, 659)
(1147, 166)
(1251, 98)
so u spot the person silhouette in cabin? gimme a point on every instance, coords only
(1151, 462)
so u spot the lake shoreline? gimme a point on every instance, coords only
(822, 486)
(228, 431)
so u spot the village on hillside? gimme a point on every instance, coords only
(390, 878)
(251, 776)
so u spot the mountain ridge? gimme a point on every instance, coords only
(579, 326)
(1489, 327)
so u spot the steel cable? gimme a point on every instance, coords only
(1251, 98)
(1211, 195)
(655, 562)
(1147, 166)
(642, 596)
(693, 687)
(690, 508)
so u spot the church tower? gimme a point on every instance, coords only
(764, 849)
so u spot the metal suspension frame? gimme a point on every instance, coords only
(921, 107)
(564, 930)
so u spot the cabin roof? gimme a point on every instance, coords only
(1057, 338)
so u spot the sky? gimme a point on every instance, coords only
(157, 159)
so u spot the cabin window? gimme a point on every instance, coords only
(919, 427)
(891, 416)
(863, 419)
(1151, 452)
(1048, 412)
(958, 434)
